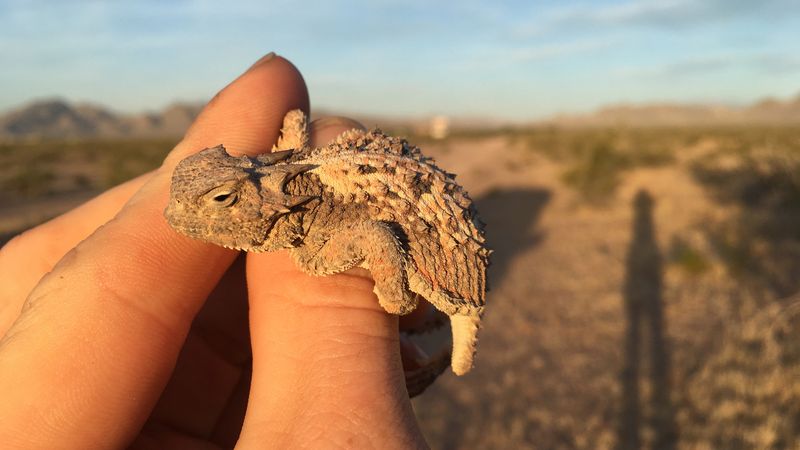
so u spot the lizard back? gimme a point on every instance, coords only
(443, 233)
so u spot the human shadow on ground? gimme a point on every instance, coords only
(510, 215)
(645, 338)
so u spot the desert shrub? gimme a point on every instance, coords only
(596, 159)
(28, 181)
(687, 257)
(747, 395)
(758, 172)
(37, 168)
(765, 181)
(596, 176)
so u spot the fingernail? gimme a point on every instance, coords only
(264, 59)
(336, 121)
(413, 353)
(420, 356)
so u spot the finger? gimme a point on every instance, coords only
(326, 129)
(323, 131)
(214, 361)
(27, 257)
(323, 347)
(246, 116)
(326, 362)
(111, 317)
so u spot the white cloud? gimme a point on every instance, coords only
(762, 63)
(502, 57)
(668, 14)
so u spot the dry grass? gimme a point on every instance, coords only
(41, 168)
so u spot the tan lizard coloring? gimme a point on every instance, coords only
(366, 199)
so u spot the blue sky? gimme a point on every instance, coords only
(512, 60)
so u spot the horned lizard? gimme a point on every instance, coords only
(366, 199)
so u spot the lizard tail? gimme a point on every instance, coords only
(465, 337)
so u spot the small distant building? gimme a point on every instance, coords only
(439, 127)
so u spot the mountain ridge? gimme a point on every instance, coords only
(768, 111)
(59, 119)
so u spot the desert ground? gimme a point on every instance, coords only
(642, 288)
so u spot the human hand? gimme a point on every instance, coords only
(138, 336)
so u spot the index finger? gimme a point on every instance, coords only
(111, 317)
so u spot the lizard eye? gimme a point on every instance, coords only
(222, 197)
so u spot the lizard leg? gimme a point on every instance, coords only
(371, 244)
(294, 132)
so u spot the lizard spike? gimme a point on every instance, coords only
(275, 177)
(283, 204)
(297, 200)
(218, 150)
(292, 201)
(292, 170)
(274, 157)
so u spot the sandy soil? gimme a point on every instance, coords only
(21, 215)
(591, 340)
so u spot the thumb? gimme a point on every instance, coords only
(97, 339)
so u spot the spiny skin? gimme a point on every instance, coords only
(366, 199)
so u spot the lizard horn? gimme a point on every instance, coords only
(275, 177)
(272, 158)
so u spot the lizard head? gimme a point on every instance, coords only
(230, 201)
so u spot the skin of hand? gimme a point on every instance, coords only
(119, 332)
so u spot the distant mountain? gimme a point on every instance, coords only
(59, 119)
(765, 112)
